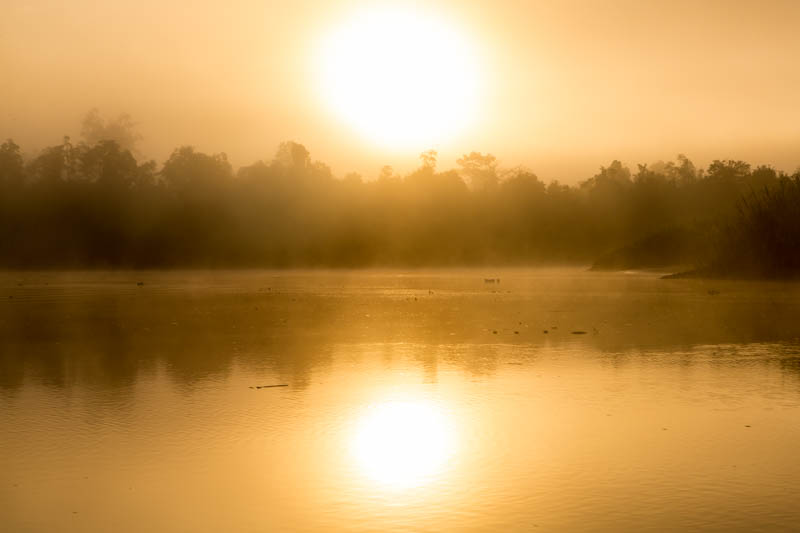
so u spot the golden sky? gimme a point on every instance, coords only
(561, 87)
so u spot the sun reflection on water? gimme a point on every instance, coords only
(401, 445)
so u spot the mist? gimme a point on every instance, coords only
(569, 85)
(93, 203)
(399, 265)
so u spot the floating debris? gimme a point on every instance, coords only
(545, 331)
(516, 333)
(713, 292)
(579, 332)
(494, 331)
(140, 283)
(269, 386)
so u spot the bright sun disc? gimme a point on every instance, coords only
(401, 77)
(403, 444)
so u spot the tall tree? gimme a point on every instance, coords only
(122, 129)
(480, 170)
(11, 166)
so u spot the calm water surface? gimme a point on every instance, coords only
(414, 401)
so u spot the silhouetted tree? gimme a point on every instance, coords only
(53, 164)
(428, 159)
(122, 130)
(95, 204)
(480, 170)
(108, 165)
(12, 169)
(293, 155)
(187, 169)
(386, 174)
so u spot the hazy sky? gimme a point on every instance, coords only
(564, 86)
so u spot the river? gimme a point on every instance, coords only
(554, 399)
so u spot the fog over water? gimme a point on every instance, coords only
(390, 265)
(425, 400)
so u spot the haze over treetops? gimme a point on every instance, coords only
(560, 87)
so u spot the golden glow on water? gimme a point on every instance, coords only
(131, 408)
(403, 444)
(402, 78)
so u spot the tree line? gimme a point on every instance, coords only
(94, 204)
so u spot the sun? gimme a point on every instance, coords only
(400, 77)
(402, 445)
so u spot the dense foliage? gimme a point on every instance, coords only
(93, 204)
(763, 239)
